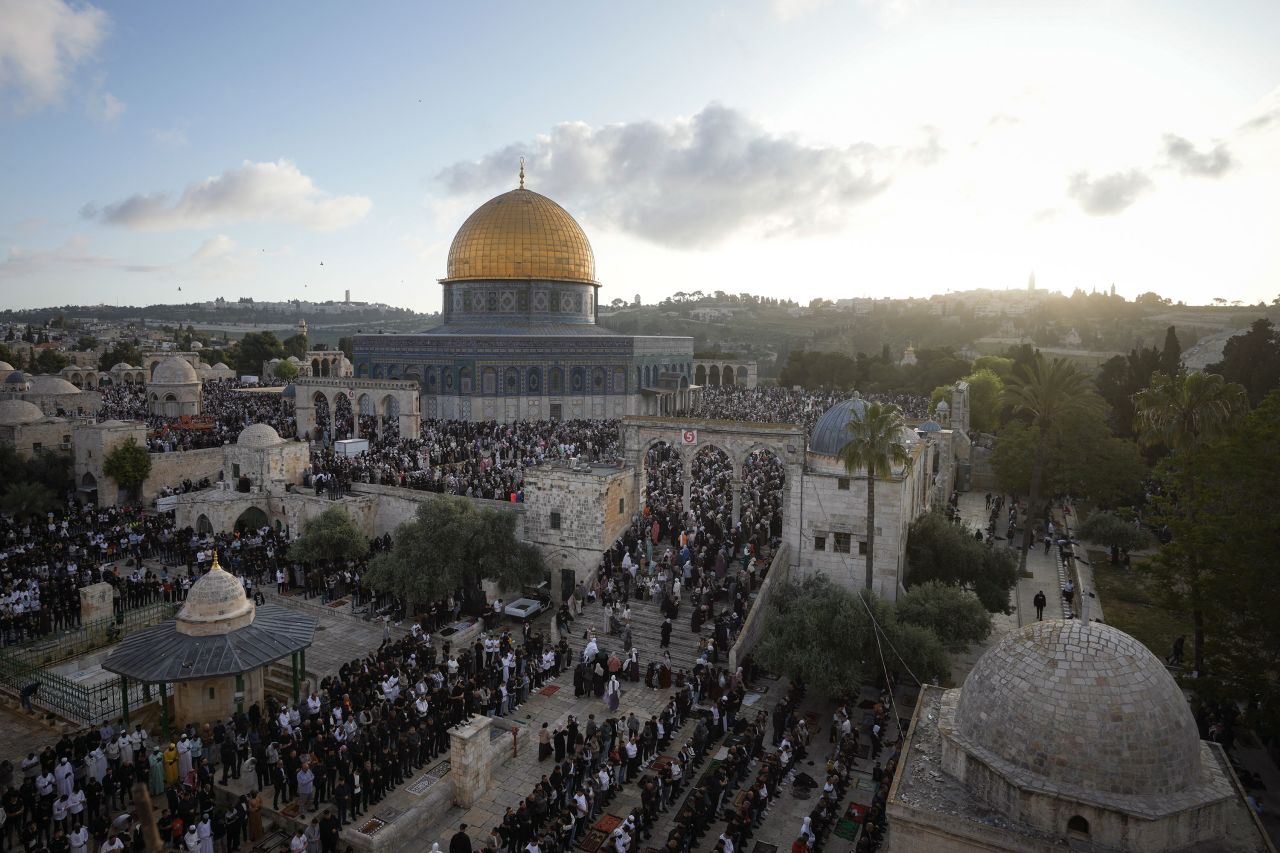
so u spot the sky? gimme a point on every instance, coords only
(788, 148)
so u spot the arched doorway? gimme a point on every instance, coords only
(343, 418)
(742, 376)
(700, 375)
(713, 376)
(391, 415)
(726, 375)
(203, 526)
(89, 488)
(761, 501)
(324, 419)
(251, 519)
(664, 485)
(710, 489)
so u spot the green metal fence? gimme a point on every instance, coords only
(22, 665)
(55, 648)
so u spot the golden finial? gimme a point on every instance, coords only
(215, 567)
(521, 173)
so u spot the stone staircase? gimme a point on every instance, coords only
(646, 633)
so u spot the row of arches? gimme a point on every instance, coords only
(720, 492)
(501, 381)
(717, 375)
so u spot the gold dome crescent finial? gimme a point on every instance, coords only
(216, 567)
(521, 173)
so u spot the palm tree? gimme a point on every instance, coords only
(27, 499)
(1185, 412)
(875, 446)
(1044, 391)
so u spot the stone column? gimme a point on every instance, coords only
(686, 477)
(470, 761)
(736, 489)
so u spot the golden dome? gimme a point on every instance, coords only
(521, 234)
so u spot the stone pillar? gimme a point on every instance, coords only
(470, 761)
(95, 603)
(686, 478)
(736, 489)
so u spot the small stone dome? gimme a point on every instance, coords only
(1081, 705)
(943, 407)
(829, 433)
(930, 426)
(6, 367)
(120, 365)
(52, 386)
(294, 359)
(222, 365)
(174, 371)
(196, 346)
(14, 412)
(215, 604)
(17, 377)
(258, 435)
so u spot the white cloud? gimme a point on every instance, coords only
(172, 137)
(41, 44)
(274, 192)
(105, 107)
(1183, 155)
(697, 181)
(215, 247)
(75, 252)
(1109, 194)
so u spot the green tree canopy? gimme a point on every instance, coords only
(450, 544)
(295, 345)
(331, 535)
(1081, 458)
(955, 615)
(122, 351)
(286, 371)
(51, 361)
(254, 349)
(1252, 360)
(847, 655)
(27, 500)
(950, 554)
(1107, 528)
(129, 464)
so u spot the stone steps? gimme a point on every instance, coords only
(646, 633)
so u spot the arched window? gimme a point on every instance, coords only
(639, 377)
(597, 380)
(648, 377)
(490, 381)
(464, 380)
(556, 381)
(1077, 826)
(431, 380)
(619, 380)
(700, 375)
(447, 372)
(535, 381)
(511, 384)
(579, 379)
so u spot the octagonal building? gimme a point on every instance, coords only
(520, 338)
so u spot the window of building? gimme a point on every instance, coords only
(555, 521)
(36, 445)
(557, 411)
(862, 547)
(557, 380)
(843, 484)
(841, 545)
(622, 505)
(819, 543)
(1078, 826)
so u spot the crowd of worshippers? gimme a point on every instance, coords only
(228, 408)
(482, 459)
(788, 405)
(77, 795)
(45, 560)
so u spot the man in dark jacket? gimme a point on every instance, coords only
(461, 842)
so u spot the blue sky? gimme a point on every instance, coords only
(794, 148)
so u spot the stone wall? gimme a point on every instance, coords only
(779, 571)
(52, 434)
(574, 514)
(207, 700)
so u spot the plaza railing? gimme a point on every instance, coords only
(87, 705)
(55, 648)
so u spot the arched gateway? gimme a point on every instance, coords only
(741, 441)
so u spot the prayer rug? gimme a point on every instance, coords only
(660, 763)
(549, 690)
(764, 847)
(291, 810)
(371, 826)
(592, 840)
(430, 778)
(848, 830)
(607, 823)
(341, 602)
(273, 842)
(867, 785)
